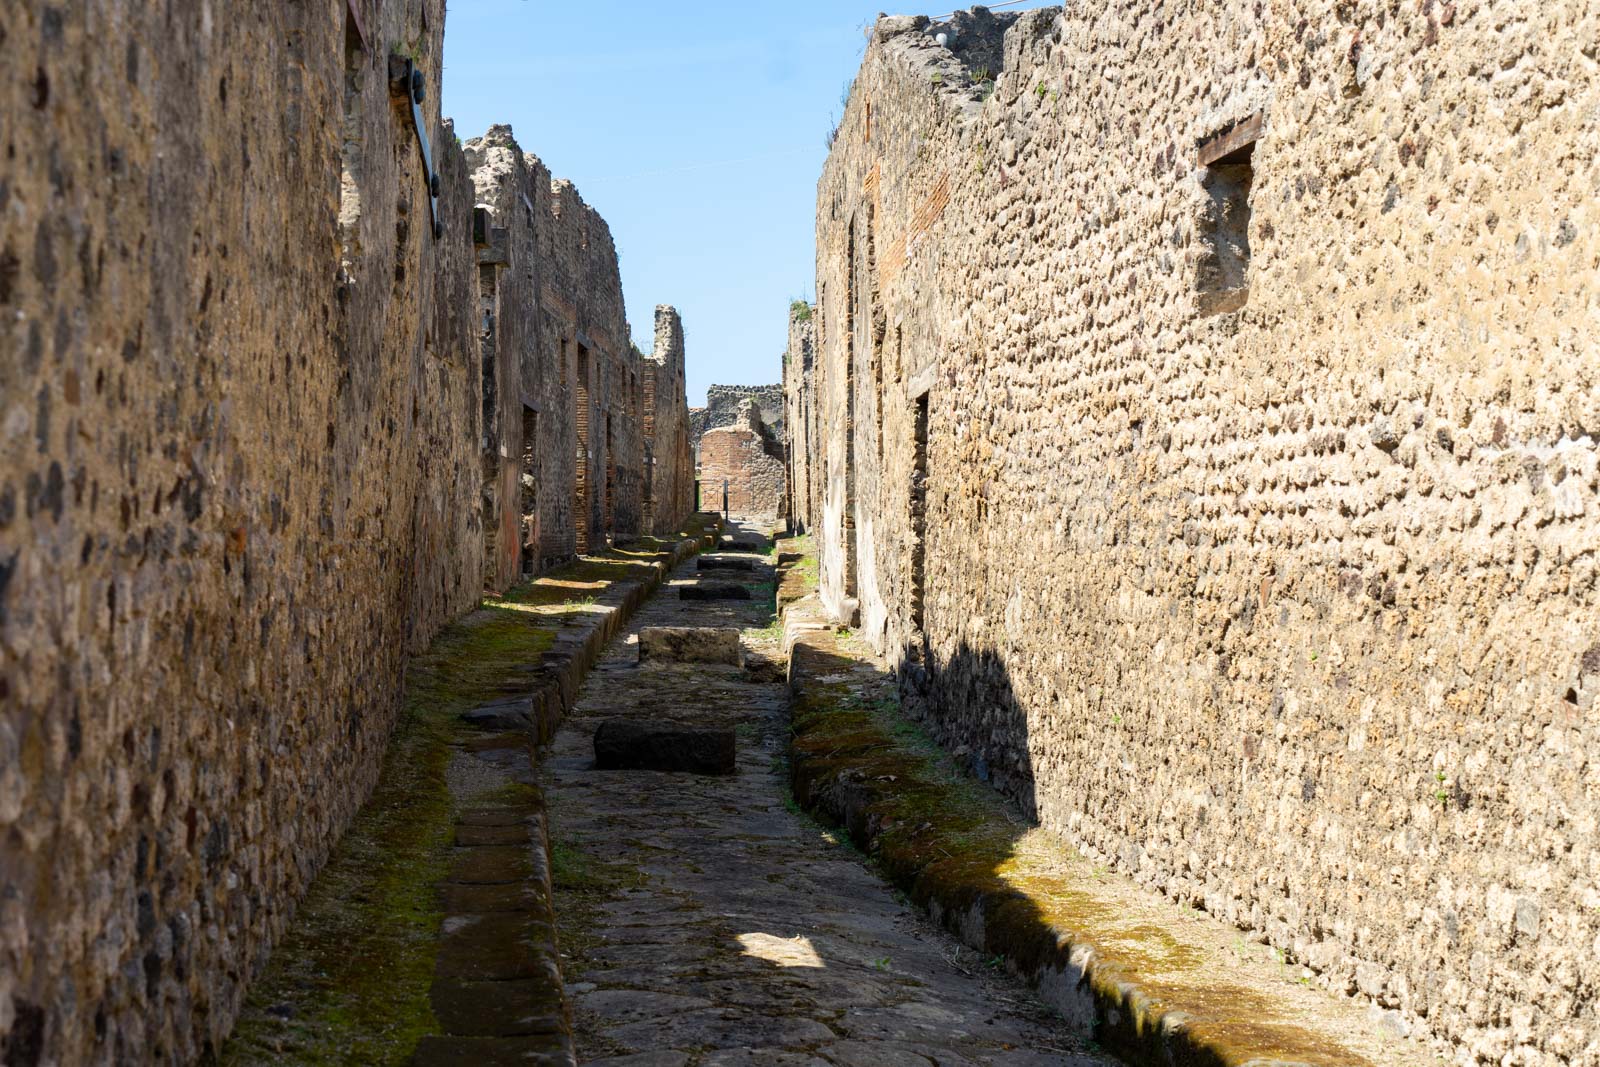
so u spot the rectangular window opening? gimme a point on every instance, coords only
(1223, 228)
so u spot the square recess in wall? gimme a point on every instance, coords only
(1222, 279)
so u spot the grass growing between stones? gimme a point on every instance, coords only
(960, 851)
(349, 982)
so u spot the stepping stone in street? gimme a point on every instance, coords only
(511, 713)
(691, 644)
(742, 544)
(722, 563)
(713, 591)
(627, 745)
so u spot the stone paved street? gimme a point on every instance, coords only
(704, 920)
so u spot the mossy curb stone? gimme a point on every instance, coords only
(1152, 982)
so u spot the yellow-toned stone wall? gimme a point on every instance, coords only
(1281, 602)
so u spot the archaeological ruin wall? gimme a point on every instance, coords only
(742, 471)
(235, 489)
(1205, 429)
(722, 408)
(800, 417)
(668, 462)
(254, 374)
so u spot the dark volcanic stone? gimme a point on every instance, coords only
(515, 713)
(626, 745)
(713, 591)
(722, 563)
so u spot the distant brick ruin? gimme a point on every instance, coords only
(742, 472)
(1199, 410)
(739, 457)
(722, 408)
(290, 377)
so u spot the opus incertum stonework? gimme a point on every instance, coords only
(1188, 609)
(1199, 411)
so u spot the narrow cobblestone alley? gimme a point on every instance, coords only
(704, 920)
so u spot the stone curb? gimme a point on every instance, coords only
(555, 684)
(1136, 1023)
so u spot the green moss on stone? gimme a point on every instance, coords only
(349, 982)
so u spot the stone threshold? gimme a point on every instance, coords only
(1148, 980)
(429, 938)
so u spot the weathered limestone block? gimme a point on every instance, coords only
(1168, 462)
(691, 644)
(626, 744)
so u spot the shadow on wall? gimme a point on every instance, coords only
(948, 841)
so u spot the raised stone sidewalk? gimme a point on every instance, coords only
(706, 922)
(429, 937)
(1151, 981)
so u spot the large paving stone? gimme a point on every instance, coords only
(724, 1028)
(713, 591)
(510, 713)
(498, 1009)
(691, 644)
(726, 563)
(626, 744)
(513, 897)
(468, 835)
(538, 1051)
(495, 948)
(490, 864)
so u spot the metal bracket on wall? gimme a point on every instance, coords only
(405, 79)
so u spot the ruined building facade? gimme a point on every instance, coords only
(251, 373)
(585, 441)
(742, 470)
(722, 408)
(1201, 418)
(668, 458)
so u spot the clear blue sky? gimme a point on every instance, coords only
(697, 129)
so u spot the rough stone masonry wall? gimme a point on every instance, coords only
(237, 484)
(1287, 610)
(742, 469)
(800, 417)
(722, 408)
(583, 313)
(669, 467)
(506, 276)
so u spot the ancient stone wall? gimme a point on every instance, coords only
(1208, 433)
(236, 485)
(722, 408)
(742, 470)
(585, 323)
(249, 395)
(800, 417)
(668, 465)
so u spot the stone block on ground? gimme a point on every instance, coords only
(627, 745)
(691, 644)
(713, 591)
(737, 543)
(725, 563)
(511, 713)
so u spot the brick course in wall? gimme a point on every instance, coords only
(742, 470)
(1231, 503)
(242, 473)
(722, 408)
